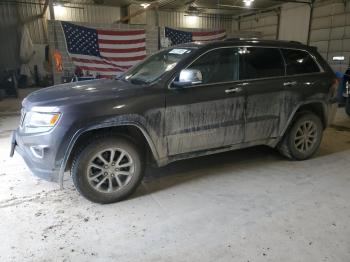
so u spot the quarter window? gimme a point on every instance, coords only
(219, 65)
(299, 62)
(259, 62)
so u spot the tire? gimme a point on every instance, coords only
(347, 106)
(111, 184)
(293, 146)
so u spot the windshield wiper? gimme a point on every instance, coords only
(121, 78)
(137, 81)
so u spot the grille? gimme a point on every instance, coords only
(23, 115)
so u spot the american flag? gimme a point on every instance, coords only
(178, 36)
(104, 52)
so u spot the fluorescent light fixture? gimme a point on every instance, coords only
(59, 9)
(192, 20)
(145, 5)
(338, 58)
(248, 2)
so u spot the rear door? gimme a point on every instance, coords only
(207, 115)
(305, 80)
(263, 78)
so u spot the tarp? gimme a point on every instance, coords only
(26, 51)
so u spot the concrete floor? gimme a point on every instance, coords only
(247, 205)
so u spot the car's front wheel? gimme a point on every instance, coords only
(107, 170)
(303, 138)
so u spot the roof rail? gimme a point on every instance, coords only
(241, 38)
(295, 42)
(256, 38)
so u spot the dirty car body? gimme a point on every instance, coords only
(235, 105)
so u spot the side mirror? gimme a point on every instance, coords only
(189, 77)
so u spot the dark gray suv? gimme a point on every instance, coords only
(186, 101)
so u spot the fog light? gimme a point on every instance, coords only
(38, 151)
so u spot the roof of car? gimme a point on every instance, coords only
(246, 42)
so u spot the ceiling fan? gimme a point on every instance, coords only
(192, 8)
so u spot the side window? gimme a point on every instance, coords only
(219, 65)
(259, 62)
(299, 62)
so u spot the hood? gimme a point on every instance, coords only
(77, 92)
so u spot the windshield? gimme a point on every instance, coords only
(156, 65)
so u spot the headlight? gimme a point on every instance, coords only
(36, 122)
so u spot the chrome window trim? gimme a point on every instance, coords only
(311, 55)
(252, 79)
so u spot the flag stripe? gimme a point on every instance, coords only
(119, 61)
(209, 37)
(123, 55)
(122, 50)
(211, 33)
(121, 42)
(208, 40)
(127, 59)
(100, 69)
(97, 62)
(123, 37)
(122, 46)
(121, 33)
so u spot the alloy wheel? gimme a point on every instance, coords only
(306, 136)
(110, 170)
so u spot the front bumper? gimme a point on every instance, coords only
(42, 167)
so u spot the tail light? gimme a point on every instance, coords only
(334, 87)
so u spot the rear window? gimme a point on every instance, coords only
(261, 62)
(299, 62)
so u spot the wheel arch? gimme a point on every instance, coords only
(319, 108)
(133, 131)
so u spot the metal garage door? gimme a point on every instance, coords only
(267, 24)
(330, 32)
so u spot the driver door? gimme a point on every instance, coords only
(209, 114)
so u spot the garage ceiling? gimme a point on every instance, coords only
(232, 7)
(225, 7)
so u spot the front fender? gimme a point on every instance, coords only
(118, 121)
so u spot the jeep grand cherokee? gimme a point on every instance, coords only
(186, 101)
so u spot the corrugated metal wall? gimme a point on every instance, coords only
(88, 14)
(266, 24)
(12, 17)
(294, 23)
(181, 20)
(330, 31)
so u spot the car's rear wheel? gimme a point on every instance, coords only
(107, 170)
(303, 138)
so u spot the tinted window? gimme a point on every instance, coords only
(156, 65)
(299, 62)
(261, 62)
(220, 65)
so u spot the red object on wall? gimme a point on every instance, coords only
(58, 61)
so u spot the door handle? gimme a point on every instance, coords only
(293, 83)
(233, 90)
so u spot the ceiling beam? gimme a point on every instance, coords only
(153, 5)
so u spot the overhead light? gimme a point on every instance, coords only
(59, 9)
(192, 19)
(338, 58)
(248, 2)
(145, 5)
